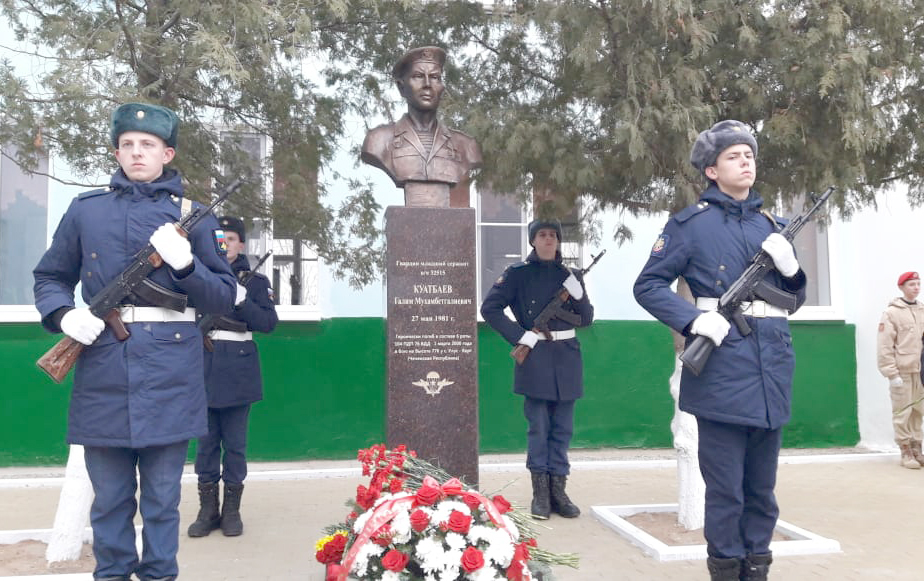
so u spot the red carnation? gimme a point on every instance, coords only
(459, 522)
(472, 560)
(501, 504)
(419, 520)
(395, 560)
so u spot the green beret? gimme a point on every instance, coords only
(432, 54)
(710, 143)
(152, 119)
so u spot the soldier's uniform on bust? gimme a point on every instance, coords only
(406, 155)
(425, 156)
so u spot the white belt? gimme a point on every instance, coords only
(558, 335)
(156, 315)
(759, 309)
(221, 335)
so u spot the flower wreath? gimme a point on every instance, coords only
(413, 528)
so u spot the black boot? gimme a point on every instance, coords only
(540, 507)
(231, 525)
(721, 569)
(208, 517)
(756, 567)
(561, 504)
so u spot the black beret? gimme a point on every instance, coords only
(710, 143)
(537, 225)
(234, 225)
(425, 53)
(152, 119)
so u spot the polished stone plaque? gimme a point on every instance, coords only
(432, 401)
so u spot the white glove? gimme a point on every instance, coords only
(241, 294)
(573, 286)
(894, 382)
(172, 247)
(780, 250)
(529, 339)
(712, 325)
(82, 326)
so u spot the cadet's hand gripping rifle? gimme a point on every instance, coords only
(207, 322)
(58, 360)
(750, 283)
(553, 310)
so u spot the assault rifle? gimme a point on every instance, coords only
(208, 322)
(553, 310)
(58, 360)
(750, 284)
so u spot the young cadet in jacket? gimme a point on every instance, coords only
(899, 359)
(551, 378)
(233, 382)
(741, 399)
(135, 403)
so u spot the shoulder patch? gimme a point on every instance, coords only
(881, 327)
(690, 211)
(94, 193)
(221, 243)
(660, 245)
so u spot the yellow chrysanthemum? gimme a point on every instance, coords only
(326, 539)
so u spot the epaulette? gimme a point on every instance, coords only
(185, 204)
(518, 264)
(690, 211)
(94, 193)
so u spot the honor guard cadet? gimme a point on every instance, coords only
(233, 383)
(135, 403)
(551, 377)
(741, 399)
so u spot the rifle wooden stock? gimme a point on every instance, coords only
(520, 353)
(59, 360)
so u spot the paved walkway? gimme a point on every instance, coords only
(866, 502)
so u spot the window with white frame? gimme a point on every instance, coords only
(293, 266)
(811, 246)
(502, 232)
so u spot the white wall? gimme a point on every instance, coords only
(875, 246)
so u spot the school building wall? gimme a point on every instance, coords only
(325, 391)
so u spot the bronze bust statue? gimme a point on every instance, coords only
(418, 152)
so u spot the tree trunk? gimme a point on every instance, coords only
(73, 513)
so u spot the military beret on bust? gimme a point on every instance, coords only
(710, 143)
(537, 225)
(908, 276)
(432, 54)
(152, 119)
(234, 225)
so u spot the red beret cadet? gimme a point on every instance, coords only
(907, 276)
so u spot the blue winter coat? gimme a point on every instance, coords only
(554, 370)
(147, 390)
(747, 380)
(232, 368)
